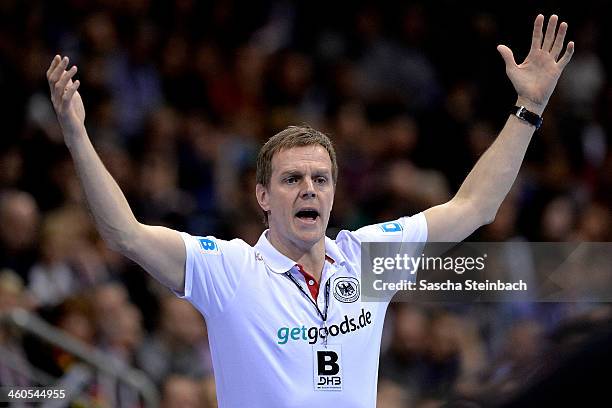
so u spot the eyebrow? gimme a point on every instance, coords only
(291, 172)
(296, 172)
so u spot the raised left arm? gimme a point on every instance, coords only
(486, 186)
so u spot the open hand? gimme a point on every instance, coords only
(535, 79)
(66, 100)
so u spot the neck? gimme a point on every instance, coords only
(312, 258)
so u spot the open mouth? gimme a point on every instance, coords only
(308, 215)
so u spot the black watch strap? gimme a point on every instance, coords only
(532, 118)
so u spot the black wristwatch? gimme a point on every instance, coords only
(532, 118)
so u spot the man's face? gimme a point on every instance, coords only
(299, 197)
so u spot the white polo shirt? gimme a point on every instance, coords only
(267, 338)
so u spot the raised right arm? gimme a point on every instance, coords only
(160, 251)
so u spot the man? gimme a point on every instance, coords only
(286, 323)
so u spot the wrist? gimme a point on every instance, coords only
(531, 106)
(527, 116)
(74, 136)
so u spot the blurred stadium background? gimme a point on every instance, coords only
(180, 95)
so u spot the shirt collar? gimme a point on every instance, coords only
(279, 263)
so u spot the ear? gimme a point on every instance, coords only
(262, 197)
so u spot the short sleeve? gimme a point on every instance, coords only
(213, 270)
(405, 229)
(409, 232)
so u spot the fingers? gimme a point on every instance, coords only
(536, 39)
(558, 44)
(549, 37)
(55, 74)
(567, 56)
(60, 82)
(553, 39)
(70, 90)
(507, 55)
(60, 86)
(54, 63)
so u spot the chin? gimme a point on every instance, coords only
(310, 237)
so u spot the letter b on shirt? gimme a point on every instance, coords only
(208, 246)
(327, 368)
(327, 363)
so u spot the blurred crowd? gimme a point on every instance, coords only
(179, 96)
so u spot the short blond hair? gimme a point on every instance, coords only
(293, 136)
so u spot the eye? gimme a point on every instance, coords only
(321, 180)
(291, 180)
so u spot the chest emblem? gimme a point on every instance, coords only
(346, 289)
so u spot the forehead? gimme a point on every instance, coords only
(302, 156)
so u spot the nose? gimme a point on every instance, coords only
(308, 189)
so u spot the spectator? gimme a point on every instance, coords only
(19, 223)
(181, 392)
(180, 346)
(14, 368)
